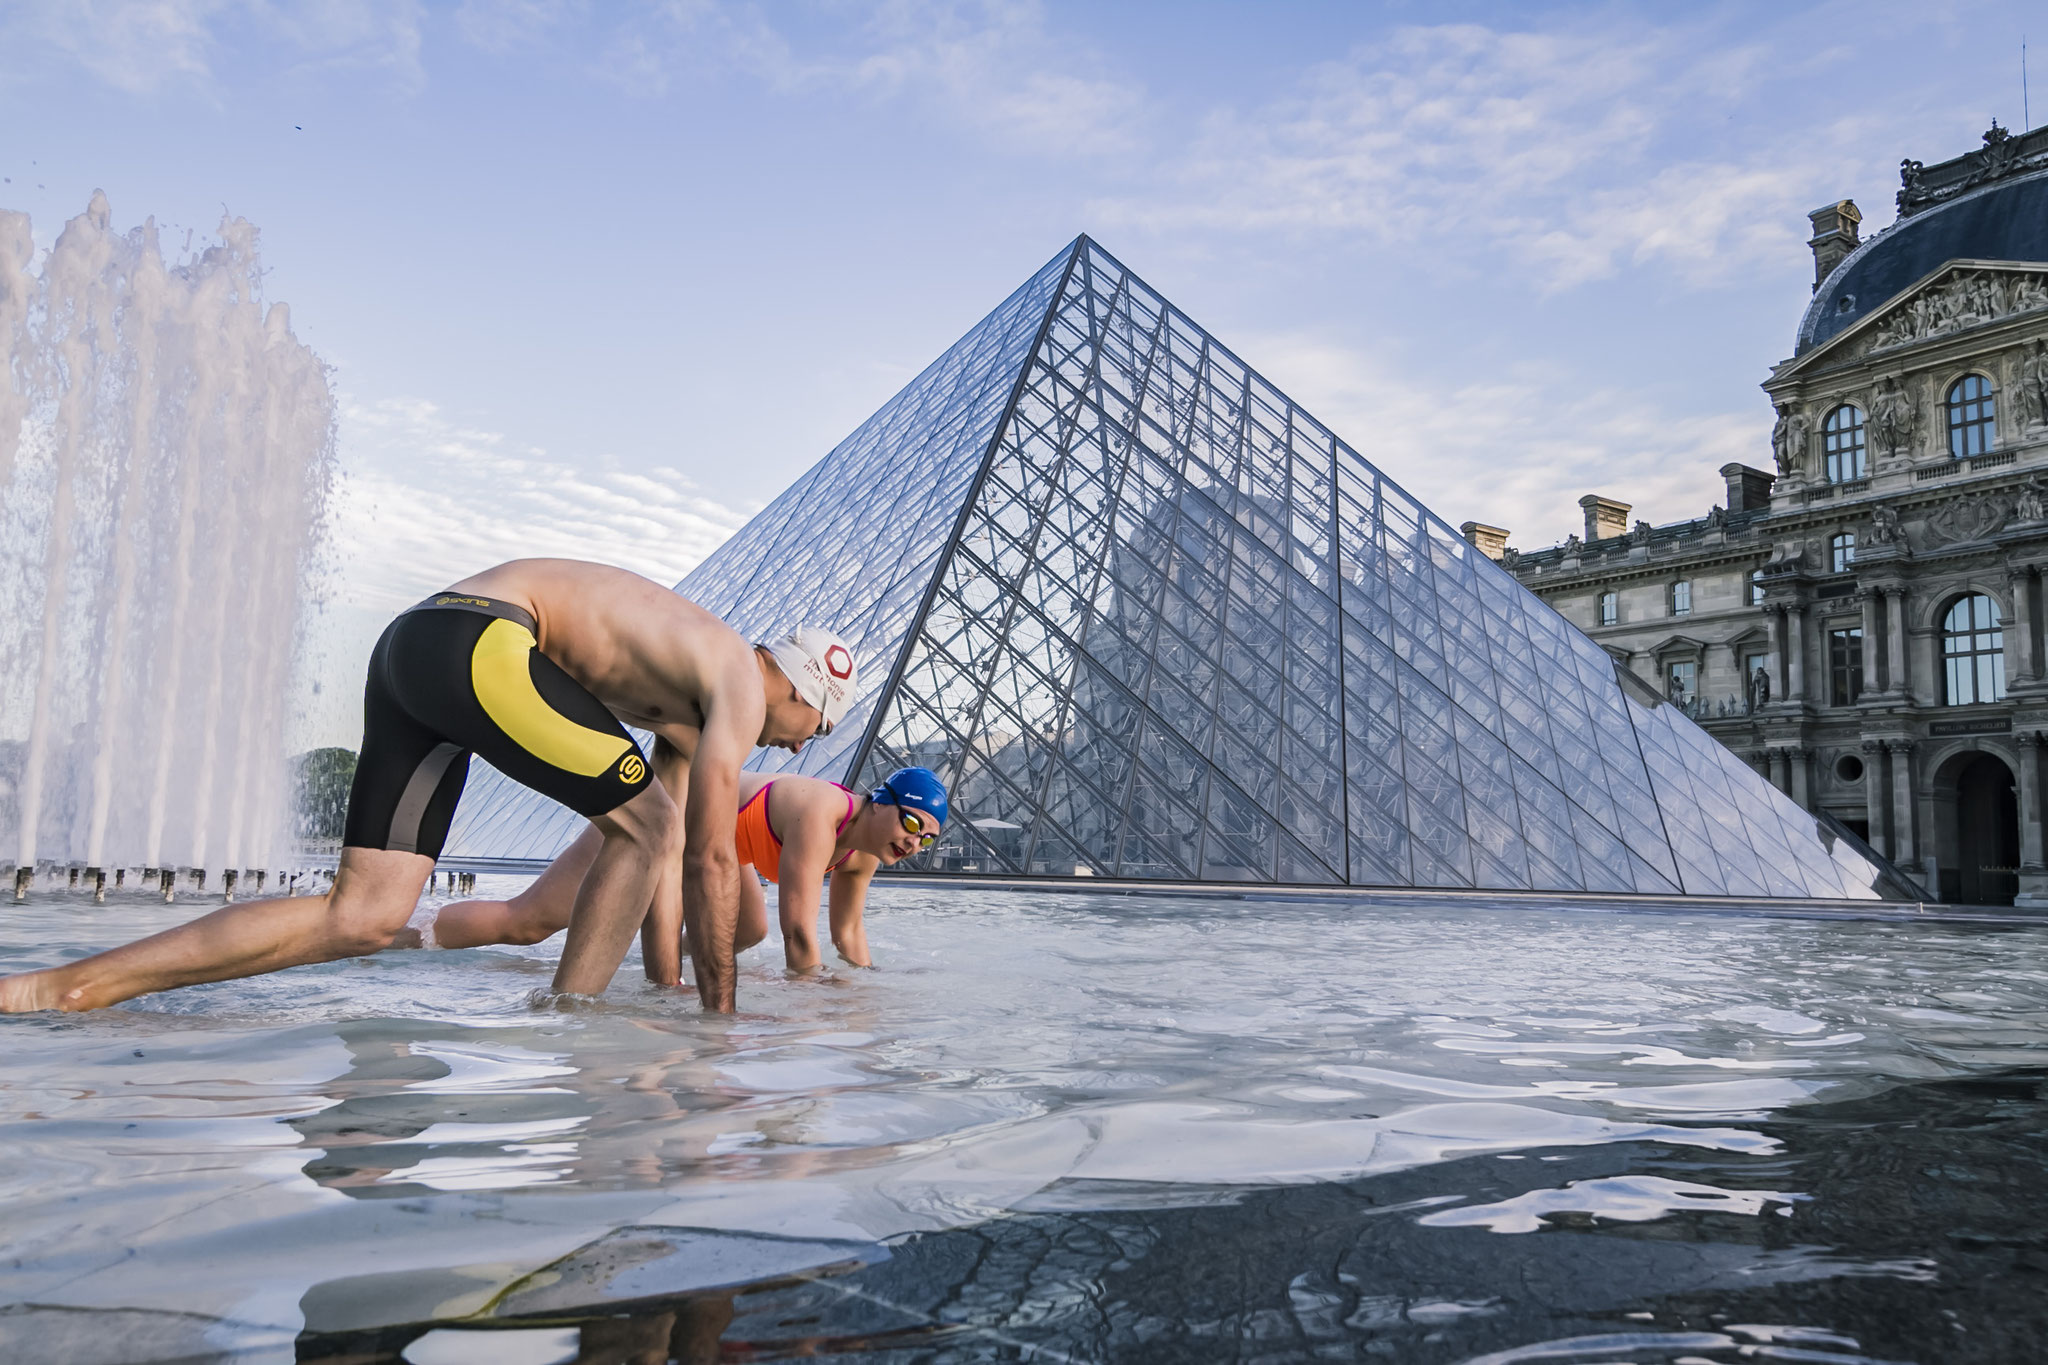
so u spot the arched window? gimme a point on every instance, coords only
(1973, 650)
(1842, 443)
(1842, 551)
(1972, 416)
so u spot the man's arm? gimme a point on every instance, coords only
(711, 865)
(849, 901)
(661, 932)
(799, 878)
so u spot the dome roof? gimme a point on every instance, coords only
(2003, 221)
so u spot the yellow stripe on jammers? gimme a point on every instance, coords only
(498, 669)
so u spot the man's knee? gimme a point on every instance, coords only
(359, 935)
(357, 929)
(529, 928)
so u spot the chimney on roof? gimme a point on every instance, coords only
(1834, 236)
(1605, 517)
(1749, 490)
(1488, 540)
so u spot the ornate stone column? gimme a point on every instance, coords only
(1801, 760)
(1902, 800)
(2020, 630)
(1777, 757)
(2033, 875)
(1868, 600)
(1874, 800)
(1795, 654)
(1896, 682)
(1774, 642)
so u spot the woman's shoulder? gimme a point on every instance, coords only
(811, 797)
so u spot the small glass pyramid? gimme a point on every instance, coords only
(1148, 619)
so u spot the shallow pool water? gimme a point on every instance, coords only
(1060, 1127)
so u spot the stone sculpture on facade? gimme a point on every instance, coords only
(2034, 386)
(1891, 418)
(2031, 502)
(1885, 528)
(1788, 441)
(1759, 689)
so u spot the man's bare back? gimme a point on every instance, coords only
(643, 651)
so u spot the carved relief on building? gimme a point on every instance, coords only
(1966, 519)
(1968, 298)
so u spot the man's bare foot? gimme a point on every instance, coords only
(28, 992)
(407, 937)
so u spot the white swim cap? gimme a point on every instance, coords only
(820, 665)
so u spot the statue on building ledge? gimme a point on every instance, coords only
(1891, 417)
(2031, 502)
(2034, 386)
(1885, 528)
(1788, 441)
(1759, 689)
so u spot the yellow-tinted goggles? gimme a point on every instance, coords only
(913, 823)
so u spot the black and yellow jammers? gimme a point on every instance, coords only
(459, 675)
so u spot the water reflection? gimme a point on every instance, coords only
(1905, 1230)
(1478, 1115)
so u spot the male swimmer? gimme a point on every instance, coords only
(533, 665)
(792, 830)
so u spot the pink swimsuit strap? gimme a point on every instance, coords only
(852, 805)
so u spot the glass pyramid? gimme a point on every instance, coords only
(1149, 619)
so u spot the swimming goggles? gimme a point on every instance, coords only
(912, 821)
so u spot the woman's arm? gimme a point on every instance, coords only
(806, 851)
(849, 901)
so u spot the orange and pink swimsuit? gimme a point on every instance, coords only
(756, 840)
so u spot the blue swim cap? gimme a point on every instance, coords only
(917, 788)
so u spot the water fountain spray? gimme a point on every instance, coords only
(166, 448)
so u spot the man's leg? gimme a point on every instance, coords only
(373, 893)
(539, 912)
(613, 898)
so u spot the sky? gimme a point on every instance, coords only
(599, 279)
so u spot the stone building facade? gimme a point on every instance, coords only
(1864, 625)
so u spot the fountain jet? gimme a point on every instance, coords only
(166, 453)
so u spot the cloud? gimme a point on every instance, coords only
(500, 26)
(992, 65)
(1553, 149)
(143, 47)
(1514, 452)
(424, 501)
(996, 64)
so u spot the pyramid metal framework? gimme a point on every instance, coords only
(1149, 619)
